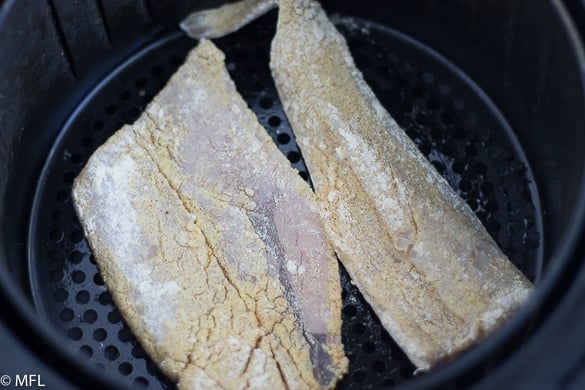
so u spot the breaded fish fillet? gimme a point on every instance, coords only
(211, 244)
(421, 258)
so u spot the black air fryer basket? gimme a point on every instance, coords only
(491, 91)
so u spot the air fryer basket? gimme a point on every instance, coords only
(494, 101)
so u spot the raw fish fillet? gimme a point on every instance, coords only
(211, 244)
(421, 258)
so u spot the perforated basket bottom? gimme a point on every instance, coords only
(451, 121)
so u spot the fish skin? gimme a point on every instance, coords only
(243, 225)
(220, 21)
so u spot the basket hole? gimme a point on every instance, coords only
(76, 236)
(257, 86)
(66, 315)
(61, 295)
(105, 298)
(62, 196)
(75, 257)
(482, 216)
(449, 150)
(266, 103)
(86, 351)
(75, 333)
(471, 150)
(425, 148)
(57, 275)
(406, 372)
(439, 166)
(69, 177)
(432, 104)
(125, 335)
(146, 98)
(293, 157)
(378, 366)
(151, 368)
(98, 279)
(369, 347)
(480, 168)
(90, 316)
(459, 134)
(474, 194)
(76, 159)
(385, 336)
(494, 226)
(133, 112)
(359, 328)
(283, 138)
(57, 215)
(458, 167)
(472, 203)
(114, 317)
(410, 67)
(350, 310)
(274, 121)
(436, 134)
(111, 352)
(100, 334)
(82, 297)
(141, 381)
(138, 352)
(487, 188)
(492, 206)
(465, 186)
(125, 368)
(78, 276)
(362, 62)
(417, 92)
(86, 142)
(422, 119)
